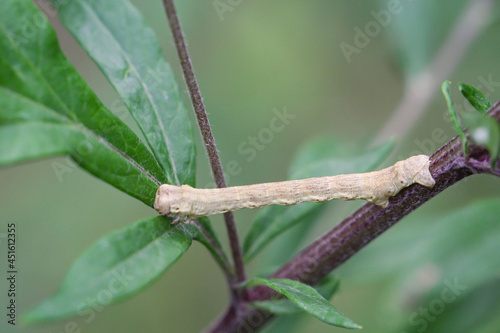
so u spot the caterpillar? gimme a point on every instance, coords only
(375, 187)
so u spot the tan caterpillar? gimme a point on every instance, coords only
(376, 187)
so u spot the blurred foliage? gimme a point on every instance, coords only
(257, 57)
(433, 262)
(416, 44)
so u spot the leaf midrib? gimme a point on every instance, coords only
(146, 90)
(119, 263)
(82, 128)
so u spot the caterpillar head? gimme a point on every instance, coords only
(166, 201)
(418, 168)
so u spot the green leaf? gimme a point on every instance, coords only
(445, 87)
(118, 39)
(475, 97)
(22, 141)
(485, 132)
(279, 307)
(40, 90)
(117, 266)
(323, 157)
(308, 299)
(326, 288)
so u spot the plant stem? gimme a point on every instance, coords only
(206, 132)
(448, 165)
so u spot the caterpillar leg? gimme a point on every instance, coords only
(181, 219)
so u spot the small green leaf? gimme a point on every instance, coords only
(308, 299)
(117, 266)
(323, 157)
(445, 87)
(326, 288)
(475, 97)
(117, 38)
(485, 132)
(280, 307)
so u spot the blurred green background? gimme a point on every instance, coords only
(250, 60)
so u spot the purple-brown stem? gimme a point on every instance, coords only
(206, 133)
(448, 165)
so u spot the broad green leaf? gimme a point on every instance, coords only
(22, 141)
(308, 299)
(25, 141)
(39, 86)
(118, 39)
(117, 266)
(475, 97)
(323, 157)
(445, 87)
(284, 306)
(484, 131)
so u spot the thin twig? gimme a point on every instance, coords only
(206, 132)
(448, 165)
